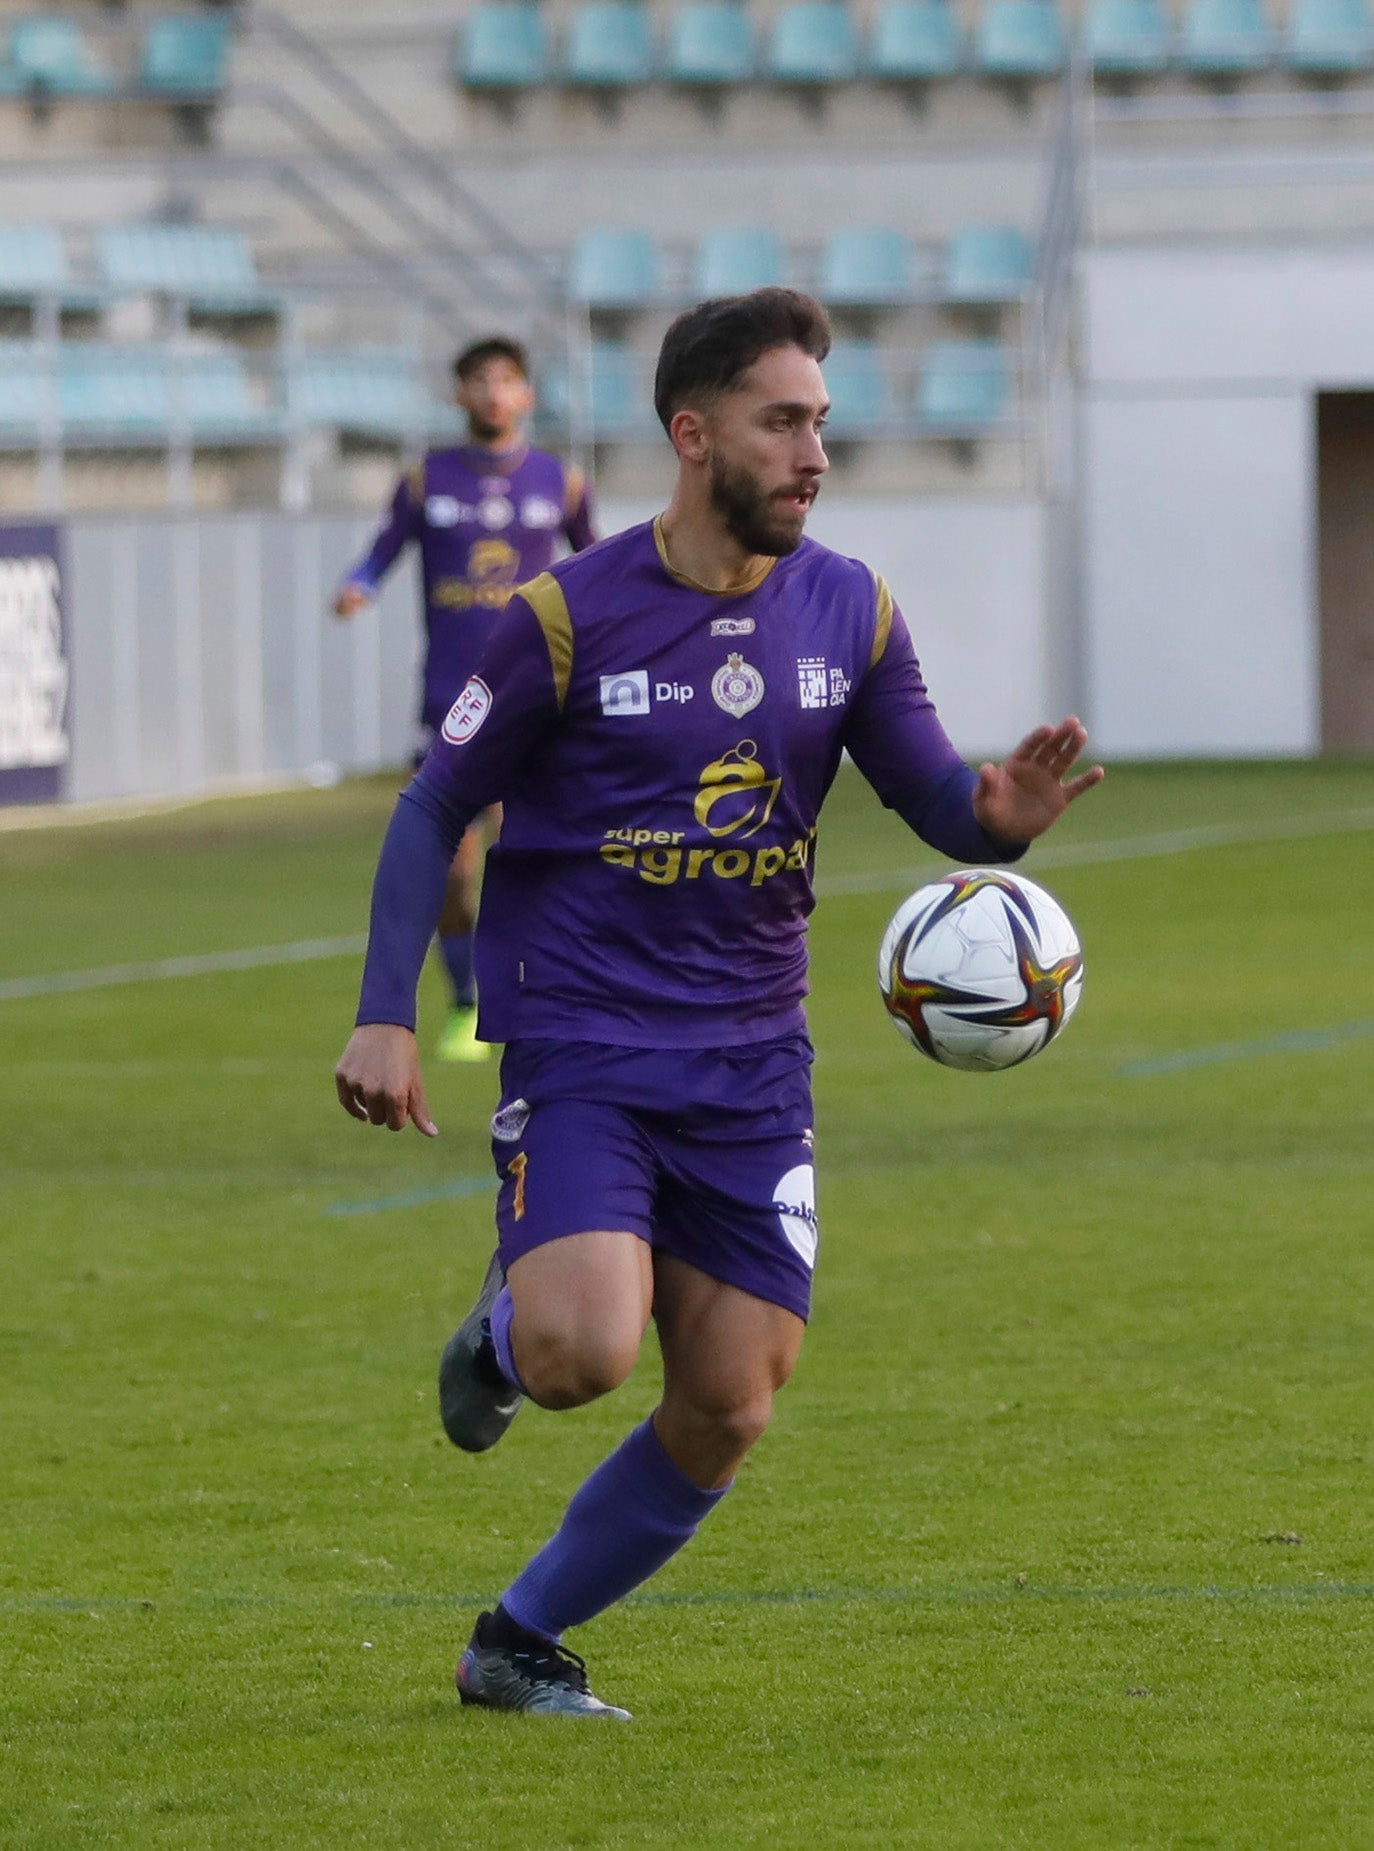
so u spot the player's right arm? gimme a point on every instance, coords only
(506, 707)
(402, 526)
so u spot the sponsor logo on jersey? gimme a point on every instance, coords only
(732, 626)
(736, 795)
(444, 510)
(737, 688)
(625, 693)
(510, 1120)
(467, 712)
(490, 559)
(539, 512)
(794, 1198)
(819, 685)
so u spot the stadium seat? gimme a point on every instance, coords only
(916, 40)
(1225, 38)
(26, 388)
(609, 46)
(860, 403)
(110, 394)
(218, 401)
(502, 46)
(733, 259)
(50, 58)
(185, 56)
(710, 43)
(1127, 38)
(212, 268)
(1019, 39)
(813, 42)
(986, 263)
(866, 265)
(33, 264)
(1330, 37)
(615, 269)
(368, 392)
(962, 389)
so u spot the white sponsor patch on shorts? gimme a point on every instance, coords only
(510, 1120)
(795, 1200)
(467, 712)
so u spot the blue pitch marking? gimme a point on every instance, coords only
(1298, 1041)
(417, 1198)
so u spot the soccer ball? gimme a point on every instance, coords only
(980, 970)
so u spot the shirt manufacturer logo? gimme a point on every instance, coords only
(626, 693)
(467, 713)
(737, 688)
(819, 685)
(732, 626)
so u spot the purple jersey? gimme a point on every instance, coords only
(485, 523)
(662, 752)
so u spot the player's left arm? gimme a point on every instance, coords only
(579, 510)
(897, 740)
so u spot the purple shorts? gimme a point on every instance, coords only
(705, 1153)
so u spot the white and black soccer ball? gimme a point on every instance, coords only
(980, 970)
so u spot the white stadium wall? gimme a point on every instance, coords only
(1202, 367)
(202, 653)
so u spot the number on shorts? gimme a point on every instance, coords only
(516, 1167)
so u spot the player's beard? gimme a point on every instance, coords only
(482, 430)
(752, 518)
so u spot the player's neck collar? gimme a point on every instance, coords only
(732, 591)
(497, 462)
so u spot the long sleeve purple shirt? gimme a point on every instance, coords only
(484, 523)
(662, 752)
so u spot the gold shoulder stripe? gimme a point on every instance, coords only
(544, 595)
(883, 626)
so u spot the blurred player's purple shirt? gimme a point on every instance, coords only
(662, 752)
(485, 522)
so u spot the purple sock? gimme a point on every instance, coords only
(501, 1314)
(457, 954)
(631, 1516)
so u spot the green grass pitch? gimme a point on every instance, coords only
(1061, 1538)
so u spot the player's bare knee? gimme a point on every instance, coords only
(567, 1369)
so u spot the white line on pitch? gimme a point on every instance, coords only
(1072, 854)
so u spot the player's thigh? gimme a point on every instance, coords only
(725, 1350)
(582, 1305)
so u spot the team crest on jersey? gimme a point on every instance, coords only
(495, 511)
(737, 688)
(732, 626)
(467, 712)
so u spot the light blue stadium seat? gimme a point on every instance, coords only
(50, 57)
(711, 42)
(915, 41)
(962, 389)
(33, 263)
(609, 46)
(1019, 39)
(212, 268)
(212, 392)
(814, 42)
(614, 268)
(865, 265)
(185, 56)
(110, 394)
(502, 46)
(860, 402)
(733, 259)
(1330, 37)
(986, 263)
(369, 392)
(1226, 38)
(617, 408)
(25, 390)
(1127, 38)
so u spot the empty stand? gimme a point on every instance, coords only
(866, 266)
(1226, 38)
(616, 269)
(1019, 39)
(212, 270)
(814, 42)
(1127, 38)
(710, 44)
(185, 58)
(963, 389)
(734, 259)
(916, 41)
(986, 264)
(609, 46)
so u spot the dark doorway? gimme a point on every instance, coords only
(1345, 556)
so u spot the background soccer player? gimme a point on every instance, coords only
(486, 517)
(662, 717)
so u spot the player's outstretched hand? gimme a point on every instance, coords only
(350, 601)
(1019, 799)
(378, 1079)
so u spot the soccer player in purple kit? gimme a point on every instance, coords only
(486, 517)
(661, 717)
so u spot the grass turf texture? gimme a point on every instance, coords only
(1060, 1538)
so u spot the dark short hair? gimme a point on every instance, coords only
(709, 348)
(494, 347)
